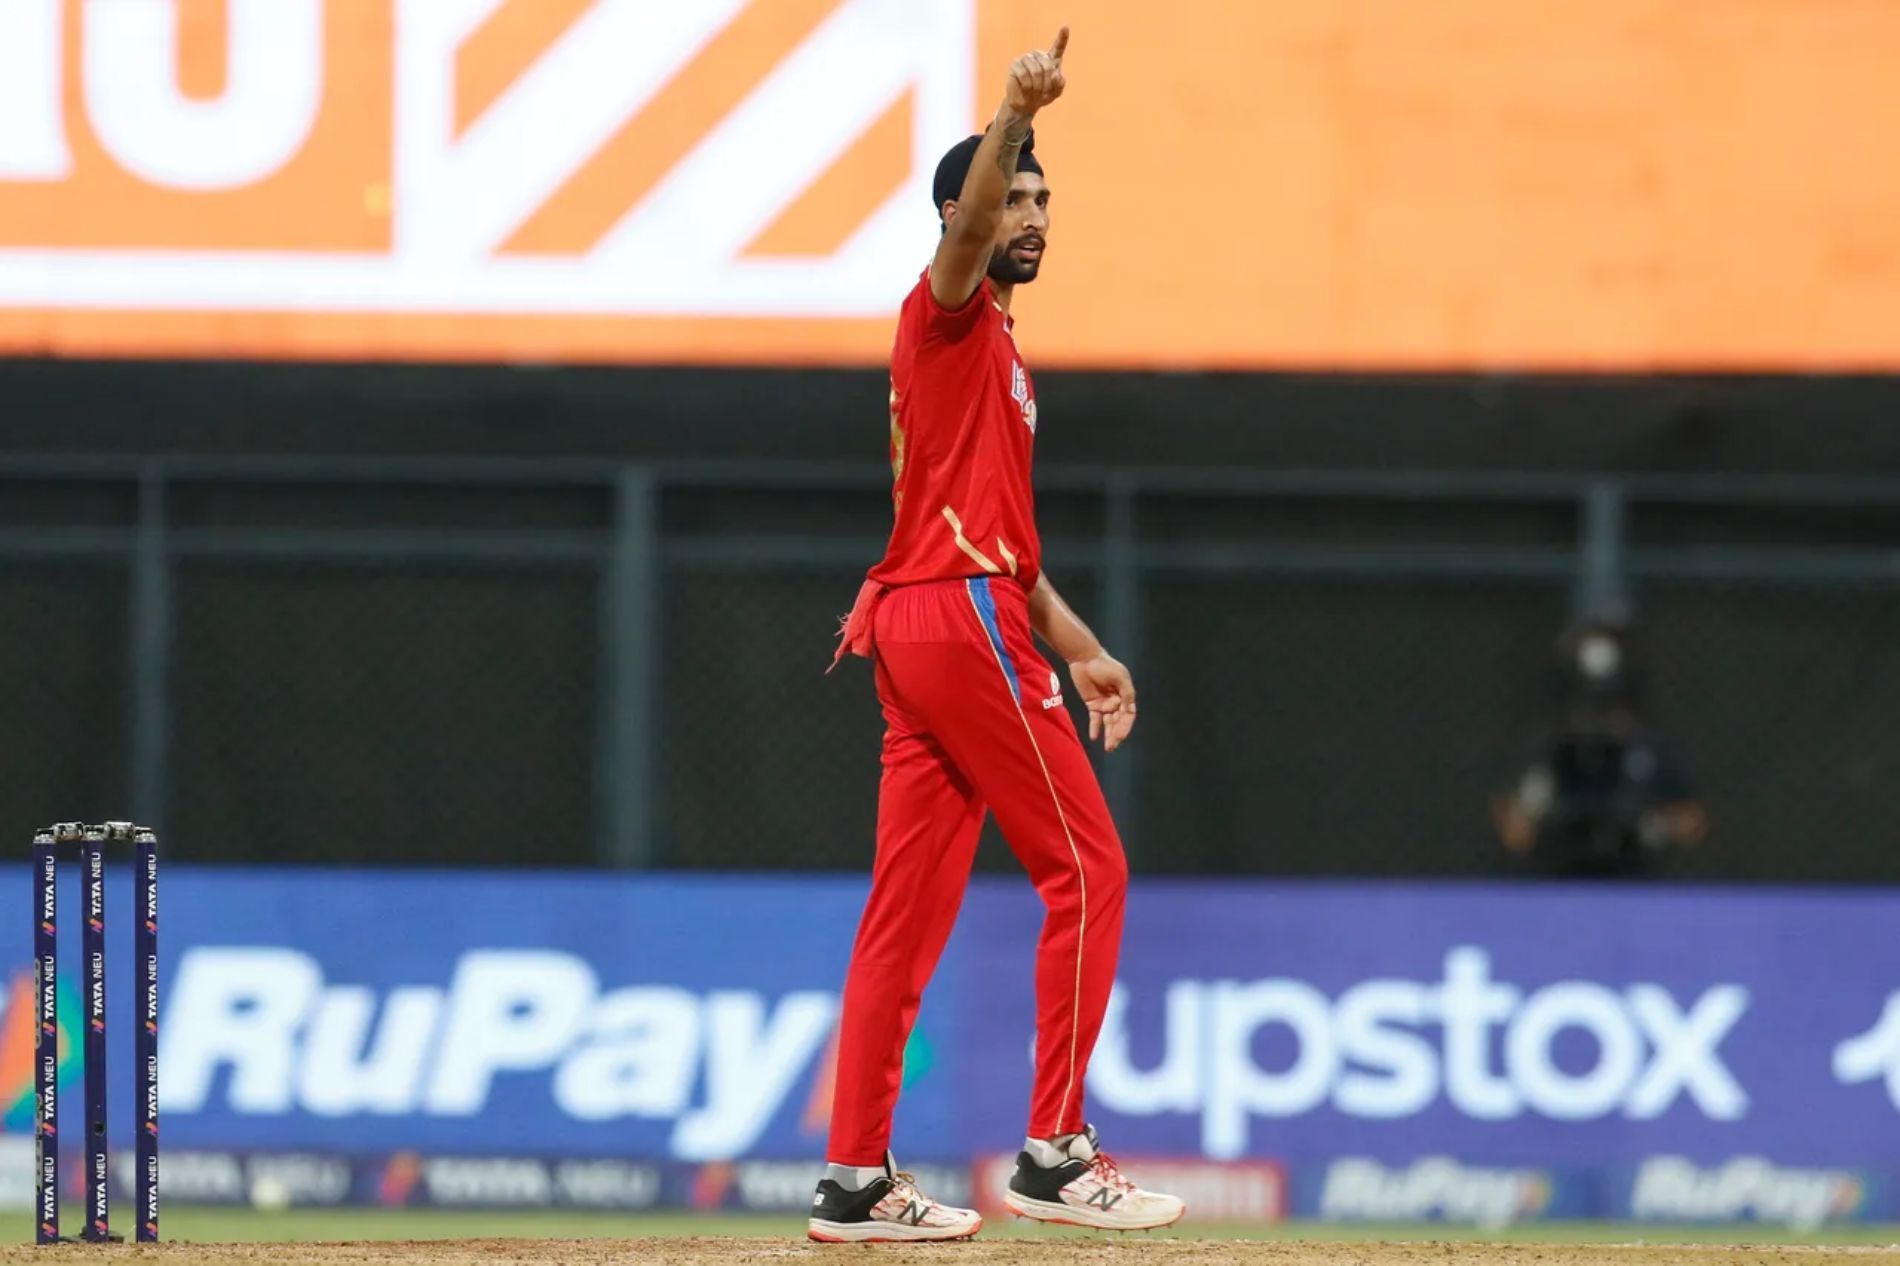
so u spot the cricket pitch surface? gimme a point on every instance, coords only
(1129, 1251)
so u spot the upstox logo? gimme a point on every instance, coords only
(536, 157)
(1391, 1048)
(263, 1028)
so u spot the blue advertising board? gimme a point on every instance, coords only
(1421, 1050)
(1500, 1024)
(572, 1014)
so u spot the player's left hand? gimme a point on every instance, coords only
(1109, 692)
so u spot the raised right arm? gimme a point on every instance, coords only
(1035, 80)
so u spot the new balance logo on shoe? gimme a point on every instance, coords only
(890, 1209)
(1085, 1189)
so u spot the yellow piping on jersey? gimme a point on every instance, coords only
(967, 546)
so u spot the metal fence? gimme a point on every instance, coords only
(576, 662)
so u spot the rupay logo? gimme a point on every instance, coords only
(1672, 1188)
(1390, 1048)
(1434, 1187)
(290, 1041)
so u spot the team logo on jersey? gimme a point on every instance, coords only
(1019, 391)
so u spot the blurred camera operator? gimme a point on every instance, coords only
(1604, 795)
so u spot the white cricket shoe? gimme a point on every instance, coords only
(889, 1209)
(1087, 1188)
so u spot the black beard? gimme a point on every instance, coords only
(1006, 270)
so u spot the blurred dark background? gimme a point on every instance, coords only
(416, 615)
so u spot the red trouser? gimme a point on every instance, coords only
(973, 720)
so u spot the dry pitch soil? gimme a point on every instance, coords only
(1090, 1252)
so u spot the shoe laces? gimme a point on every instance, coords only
(904, 1183)
(1109, 1173)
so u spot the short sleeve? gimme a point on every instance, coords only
(951, 324)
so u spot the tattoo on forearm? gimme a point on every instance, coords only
(1015, 132)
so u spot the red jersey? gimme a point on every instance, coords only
(963, 433)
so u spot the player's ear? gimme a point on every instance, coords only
(947, 212)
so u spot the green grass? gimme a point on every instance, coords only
(217, 1225)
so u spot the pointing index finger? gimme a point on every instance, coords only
(1062, 42)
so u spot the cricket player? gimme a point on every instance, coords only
(974, 720)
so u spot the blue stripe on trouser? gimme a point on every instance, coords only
(986, 608)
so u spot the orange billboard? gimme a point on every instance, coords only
(1489, 184)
